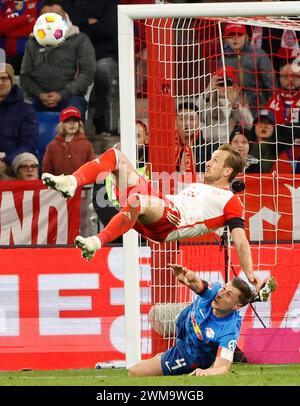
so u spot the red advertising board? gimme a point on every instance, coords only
(58, 311)
(272, 207)
(31, 214)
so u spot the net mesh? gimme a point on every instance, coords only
(194, 90)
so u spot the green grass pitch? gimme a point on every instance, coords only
(240, 375)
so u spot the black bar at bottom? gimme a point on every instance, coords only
(124, 395)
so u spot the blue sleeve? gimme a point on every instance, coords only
(211, 291)
(231, 335)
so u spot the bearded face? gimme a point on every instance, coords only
(289, 78)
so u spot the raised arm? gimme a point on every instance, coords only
(188, 278)
(244, 254)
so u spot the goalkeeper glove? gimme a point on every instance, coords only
(269, 286)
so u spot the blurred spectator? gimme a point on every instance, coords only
(189, 144)
(288, 55)
(142, 141)
(256, 74)
(271, 40)
(284, 55)
(26, 166)
(222, 107)
(3, 175)
(265, 149)
(58, 77)
(289, 160)
(16, 24)
(241, 141)
(18, 123)
(285, 101)
(141, 131)
(98, 20)
(70, 149)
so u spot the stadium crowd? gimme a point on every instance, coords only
(257, 89)
(253, 85)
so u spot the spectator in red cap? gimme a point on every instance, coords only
(70, 149)
(222, 107)
(234, 30)
(256, 77)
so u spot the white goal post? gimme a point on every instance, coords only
(126, 16)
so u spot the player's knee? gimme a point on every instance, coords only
(133, 370)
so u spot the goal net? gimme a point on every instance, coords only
(200, 82)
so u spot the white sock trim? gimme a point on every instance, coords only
(74, 180)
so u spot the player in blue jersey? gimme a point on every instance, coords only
(207, 330)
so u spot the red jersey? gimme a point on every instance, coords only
(15, 27)
(286, 107)
(196, 210)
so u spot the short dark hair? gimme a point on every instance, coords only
(187, 106)
(234, 161)
(239, 129)
(246, 295)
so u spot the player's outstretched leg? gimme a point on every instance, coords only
(88, 246)
(65, 185)
(269, 286)
(98, 169)
(118, 225)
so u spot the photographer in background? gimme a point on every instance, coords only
(256, 74)
(222, 107)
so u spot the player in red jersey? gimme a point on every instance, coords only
(198, 209)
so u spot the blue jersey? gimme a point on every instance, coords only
(201, 336)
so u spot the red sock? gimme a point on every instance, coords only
(98, 169)
(121, 222)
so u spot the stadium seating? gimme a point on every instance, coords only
(48, 121)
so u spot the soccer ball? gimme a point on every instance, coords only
(50, 30)
(162, 318)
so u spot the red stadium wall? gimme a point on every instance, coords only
(58, 311)
(31, 214)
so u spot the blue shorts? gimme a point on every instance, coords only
(180, 322)
(175, 361)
